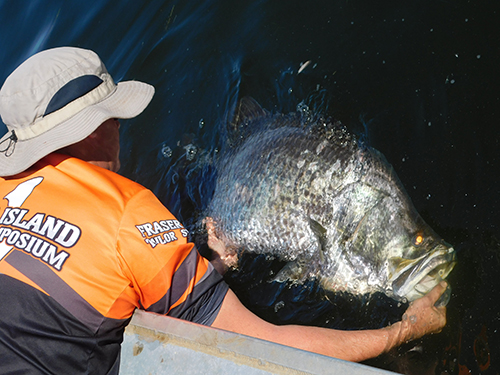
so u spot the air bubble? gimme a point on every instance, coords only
(166, 151)
(278, 306)
(190, 152)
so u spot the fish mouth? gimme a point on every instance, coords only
(415, 278)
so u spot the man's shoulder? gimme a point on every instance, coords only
(105, 176)
(94, 177)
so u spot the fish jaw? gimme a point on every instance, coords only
(416, 278)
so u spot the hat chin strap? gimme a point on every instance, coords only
(55, 118)
(8, 148)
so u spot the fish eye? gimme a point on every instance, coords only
(418, 240)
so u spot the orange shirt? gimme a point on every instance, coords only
(94, 246)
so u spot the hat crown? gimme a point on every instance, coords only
(26, 93)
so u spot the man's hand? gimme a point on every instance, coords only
(222, 257)
(421, 318)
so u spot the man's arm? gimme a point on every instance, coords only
(421, 318)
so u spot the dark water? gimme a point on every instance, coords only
(420, 79)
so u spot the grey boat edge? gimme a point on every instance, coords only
(156, 344)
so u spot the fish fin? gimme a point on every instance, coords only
(320, 232)
(246, 110)
(241, 119)
(298, 270)
(295, 270)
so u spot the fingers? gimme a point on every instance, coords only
(209, 225)
(213, 241)
(435, 293)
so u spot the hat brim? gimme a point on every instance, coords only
(128, 100)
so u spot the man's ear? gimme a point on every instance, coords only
(94, 134)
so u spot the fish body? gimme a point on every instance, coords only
(305, 190)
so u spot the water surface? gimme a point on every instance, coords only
(419, 79)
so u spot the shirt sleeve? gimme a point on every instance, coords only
(166, 272)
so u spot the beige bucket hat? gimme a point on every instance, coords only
(59, 97)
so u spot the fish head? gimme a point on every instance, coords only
(407, 258)
(424, 262)
(413, 258)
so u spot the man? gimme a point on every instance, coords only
(82, 247)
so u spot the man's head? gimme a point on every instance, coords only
(101, 147)
(57, 98)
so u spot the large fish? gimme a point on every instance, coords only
(305, 190)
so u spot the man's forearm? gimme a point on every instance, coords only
(421, 318)
(349, 345)
(353, 346)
